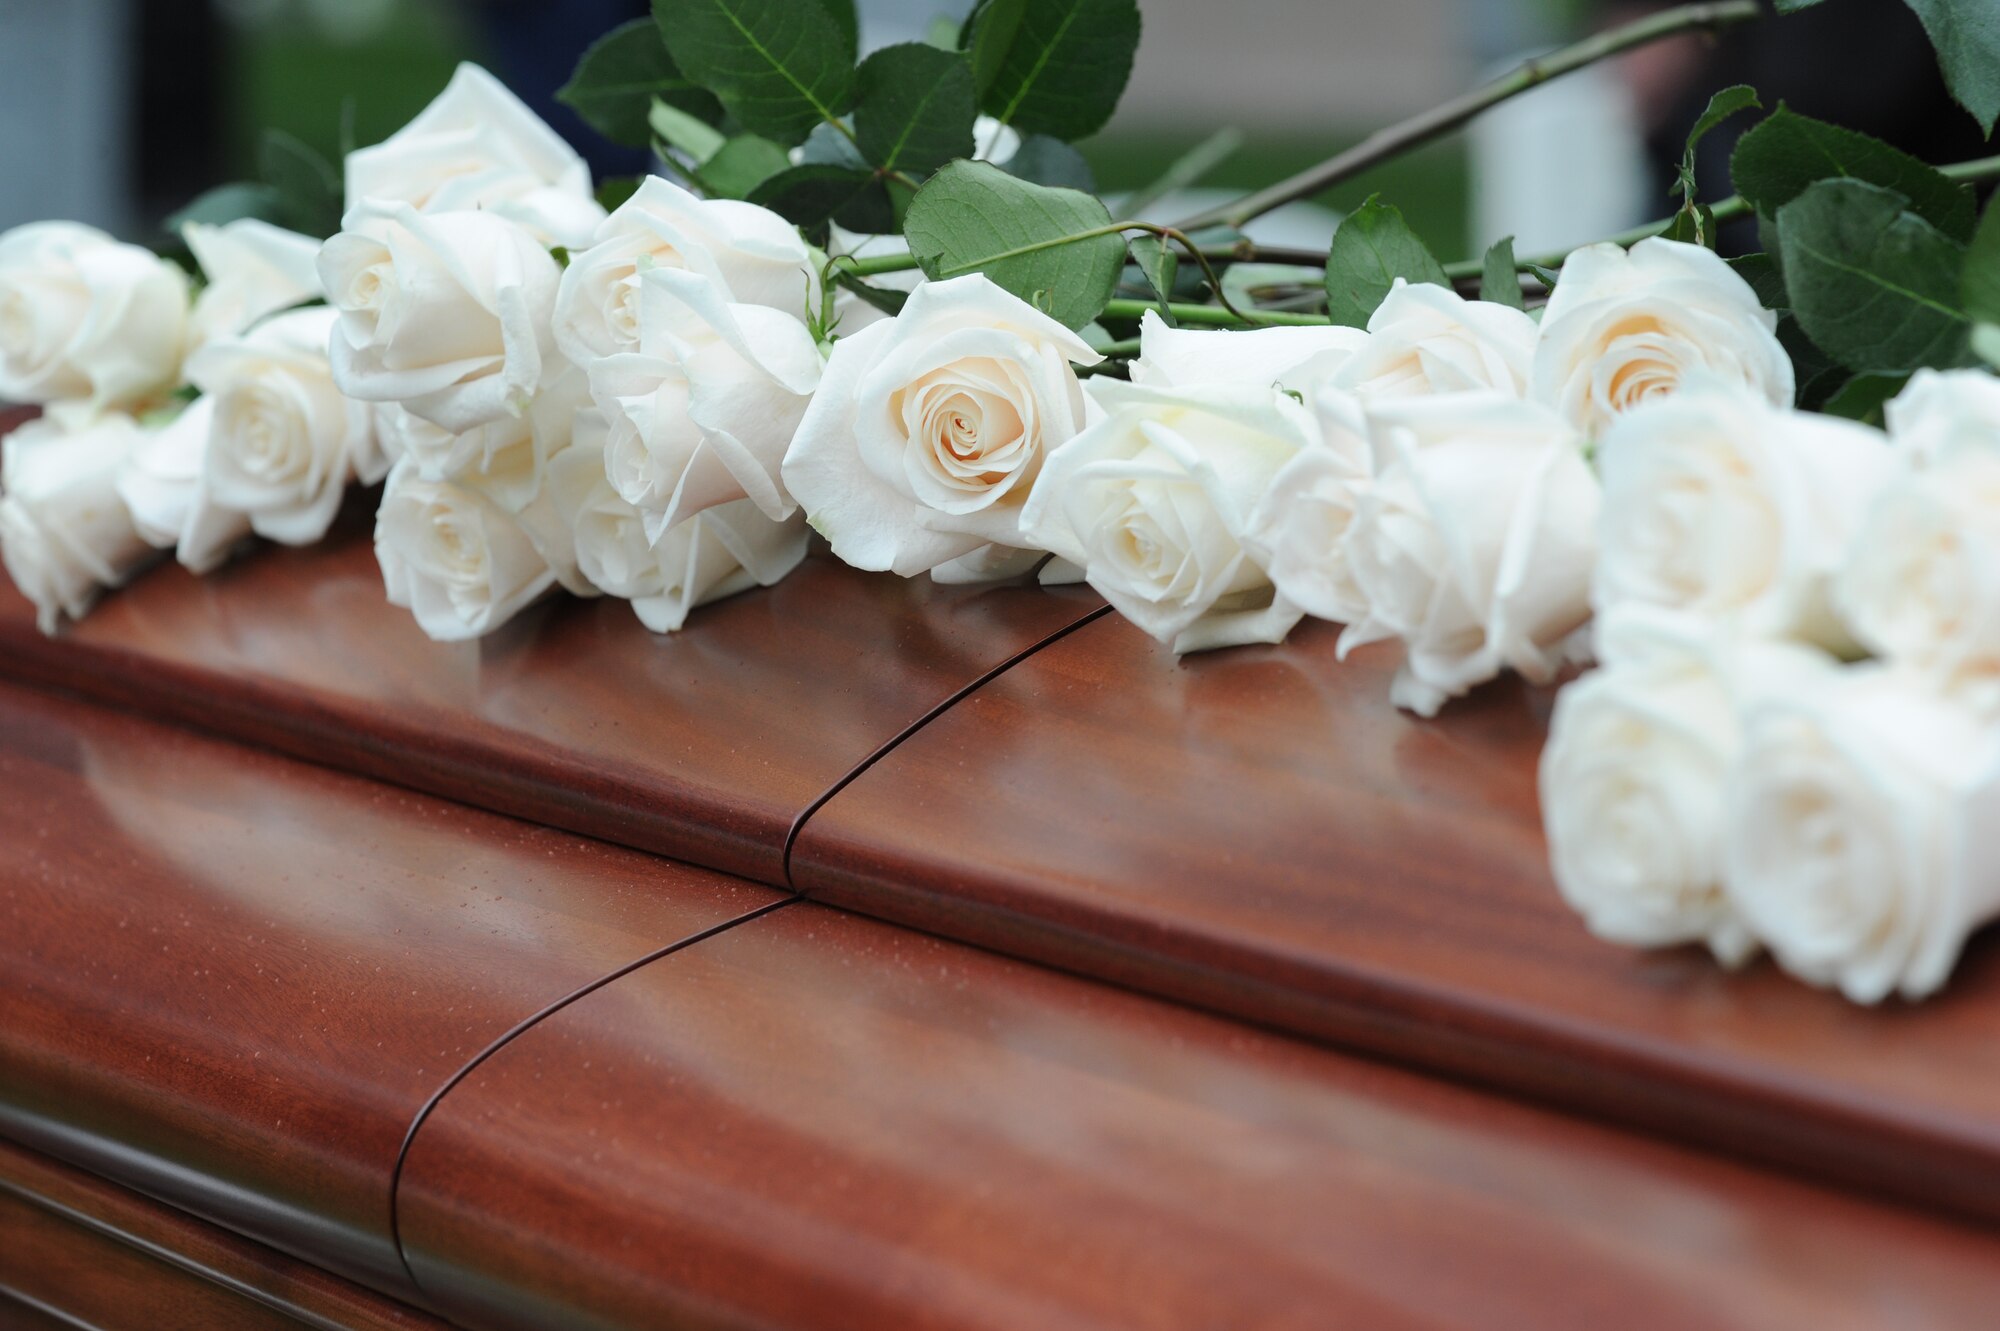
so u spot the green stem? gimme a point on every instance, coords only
(1441, 120)
(1214, 316)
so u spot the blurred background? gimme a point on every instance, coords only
(116, 112)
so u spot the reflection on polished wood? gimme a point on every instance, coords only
(231, 980)
(704, 745)
(86, 1221)
(1258, 831)
(818, 1121)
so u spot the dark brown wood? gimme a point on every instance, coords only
(83, 1213)
(704, 745)
(1259, 832)
(230, 980)
(820, 1122)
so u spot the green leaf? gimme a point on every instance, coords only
(916, 108)
(886, 299)
(1160, 266)
(988, 33)
(309, 189)
(1500, 279)
(778, 66)
(1051, 247)
(1373, 247)
(1873, 284)
(1066, 67)
(842, 12)
(817, 192)
(1761, 272)
(619, 76)
(1979, 283)
(1042, 160)
(1794, 6)
(1244, 283)
(1786, 152)
(698, 139)
(1723, 105)
(1862, 397)
(1693, 225)
(1187, 169)
(828, 145)
(612, 191)
(227, 203)
(1966, 34)
(740, 165)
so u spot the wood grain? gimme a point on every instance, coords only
(1258, 832)
(189, 1254)
(704, 745)
(230, 980)
(820, 1122)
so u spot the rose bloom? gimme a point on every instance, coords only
(64, 534)
(252, 269)
(478, 147)
(1625, 327)
(1151, 501)
(447, 314)
(85, 316)
(164, 487)
(1721, 505)
(1859, 844)
(715, 553)
(928, 430)
(703, 412)
(1632, 774)
(1294, 357)
(749, 253)
(1298, 531)
(1425, 339)
(1473, 544)
(507, 459)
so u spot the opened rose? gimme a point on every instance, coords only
(85, 316)
(64, 533)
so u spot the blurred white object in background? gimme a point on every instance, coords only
(1561, 166)
(65, 111)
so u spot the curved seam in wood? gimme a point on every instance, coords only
(8, 1294)
(521, 1027)
(939, 709)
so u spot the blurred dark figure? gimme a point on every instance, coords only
(535, 44)
(1863, 64)
(178, 140)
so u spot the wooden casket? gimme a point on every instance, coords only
(874, 954)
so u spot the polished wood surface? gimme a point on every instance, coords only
(1257, 831)
(705, 745)
(818, 1121)
(231, 980)
(82, 1214)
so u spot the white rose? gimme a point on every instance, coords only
(1623, 327)
(703, 412)
(1945, 411)
(251, 269)
(1721, 505)
(1425, 338)
(462, 564)
(1152, 500)
(751, 253)
(84, 316)
(165, 488)
(1632, 774)
(64, 533)
(1860, 837)
(715, 553)
(1474, 542)
(1298, 532)
(507, 459)
(929, 429)
(478, 147)
(447, 313)
(1295, 357)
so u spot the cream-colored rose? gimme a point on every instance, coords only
(1474, 542)
(1632, 776)
(1152, 501)
(715, 553)
(1295, 358)
(1625, 327)
(1425, 338)
(1298, 532)
(478, 147)
(1860, 844)
(1721, 505)
(446, 313)
(1945, 411)
(702, 413)
(750, 254)
(64, 533)
(165, 488)
(462, 564)
(85, 316)
(507, 459)
(928, 430)
(251, 269)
